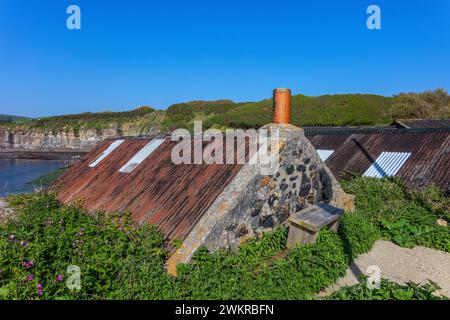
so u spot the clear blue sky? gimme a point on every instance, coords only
(162, 52)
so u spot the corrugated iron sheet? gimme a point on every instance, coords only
(324, 154)
(141, 155)
(113, 146)
(328, 141)
(173, 197)
(387, 164)
(356, 152)
(422, 123)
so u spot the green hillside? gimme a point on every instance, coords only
(325, 110)
(140, 118)
(98, 120)
(341, 109)
(182, 115)
(335, 110)
(6, 118)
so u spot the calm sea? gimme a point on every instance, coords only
(16, 173)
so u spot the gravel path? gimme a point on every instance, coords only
(401, 265)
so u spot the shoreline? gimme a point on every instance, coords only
(42, 155)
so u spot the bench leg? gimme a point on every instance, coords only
(335, 225)
(299, 235)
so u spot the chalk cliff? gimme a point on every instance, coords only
(23, 138)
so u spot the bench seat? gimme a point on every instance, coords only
(304, 226)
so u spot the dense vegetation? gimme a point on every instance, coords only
(388, 291)
(119, 260)
(426, 105)
(404, 217)
(142, 116)
(182, 115)
(341, 109)
(346, 109)
(326, 110)
(140, 119)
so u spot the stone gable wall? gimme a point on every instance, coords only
(254, 203)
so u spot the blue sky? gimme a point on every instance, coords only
(161, 52)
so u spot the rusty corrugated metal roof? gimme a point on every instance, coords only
(172, 197)
(422, 123)
(428, 163)
(328, 142)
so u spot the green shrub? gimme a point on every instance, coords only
(435, 200)
(408, 218)
(182, 115)
(425, 105)
(305, 271)
(117, 260)
(259, 270)
(229, 275)
(357, 234)
(388, 291)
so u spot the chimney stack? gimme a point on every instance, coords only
(281, 106)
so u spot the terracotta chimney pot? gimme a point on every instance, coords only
(282, 106)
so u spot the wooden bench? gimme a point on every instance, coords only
(304, 226)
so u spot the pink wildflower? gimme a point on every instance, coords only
(39, 287)
(28, 264)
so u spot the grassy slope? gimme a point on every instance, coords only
(348, 109)
(141, 116)
(330, 110)
(47, 179)
(408, 218)
(326, 110)
(182, 115)
(6, 118)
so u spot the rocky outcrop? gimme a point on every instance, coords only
(23, 138)
(5, 210)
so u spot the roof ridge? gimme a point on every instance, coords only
(342, 131)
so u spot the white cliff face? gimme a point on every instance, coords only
(76, 136)
(84, 139)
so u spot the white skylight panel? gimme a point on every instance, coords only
(105, 153)
(141, 155)
(324, 154)
(387, 164)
